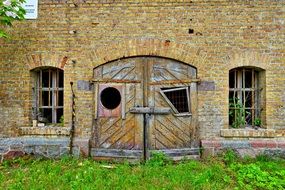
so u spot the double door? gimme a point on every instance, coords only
(144, 104)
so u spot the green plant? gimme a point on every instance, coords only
(61, 121)
(10, 10)
(158, 159)
(253, 176)
(257, 122)
(237, 113)
(230, 157)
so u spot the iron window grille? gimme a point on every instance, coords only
(178, 99)
(50, 88)
(244, 96)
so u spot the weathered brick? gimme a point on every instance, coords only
(271, 144)
(281, 144)
(258, 143)
(13, 154)
(226, 35)
(213, 144)
(235, 144)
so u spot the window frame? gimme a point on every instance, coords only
(53, 90)
(239, 90)
(171, 89)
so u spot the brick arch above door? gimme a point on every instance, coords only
(148, 47)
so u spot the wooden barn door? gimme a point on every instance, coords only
(117, 132)
(157, 110)
(172, 85)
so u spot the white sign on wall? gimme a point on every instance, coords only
(31, 7)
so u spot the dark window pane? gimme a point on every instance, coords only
(248, 116)
(248, 78)
(231, 116)
(59, 114)
(46, 79)
(232, 79)
(46, 100)
(45, 115)
(179, 99)
(60, 98)
(231, 98)
(51, 98)
(60, 80)
(248, 99)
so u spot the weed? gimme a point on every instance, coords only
(252, 176)
(237, 113)
(263, 158)
(158, 159)
(61, 121)
(230, 157)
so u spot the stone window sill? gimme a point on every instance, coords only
(45, 131)
(249, 132)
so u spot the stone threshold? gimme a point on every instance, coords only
(45, 131)
(255, 133)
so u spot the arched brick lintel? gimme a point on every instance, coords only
(248, 58)
(46, 60)
(148, 47)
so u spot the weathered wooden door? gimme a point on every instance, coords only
(172, 84)
(156, 111)
(117, 132)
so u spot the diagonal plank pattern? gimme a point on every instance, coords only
(164, 132)
(169, 131)
(116, 132)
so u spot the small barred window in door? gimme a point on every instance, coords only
(177, 98)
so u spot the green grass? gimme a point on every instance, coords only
(159, 173)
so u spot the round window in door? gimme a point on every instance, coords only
(110, 98)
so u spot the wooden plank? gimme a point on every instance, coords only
(124, 102)
(146, 116)
(117, 153)
(150, 110)
(168, 132)
(164, 82)
(109, 80)
(179, 125)
(194, 110)
(162, 141)
(151, 130)
(245, 89)
(95, 99)
(179, 129)
(178, 152)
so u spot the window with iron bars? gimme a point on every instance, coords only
(178, 99)
(244, 97)
(49, 95)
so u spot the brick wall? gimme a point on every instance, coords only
(79, 35)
